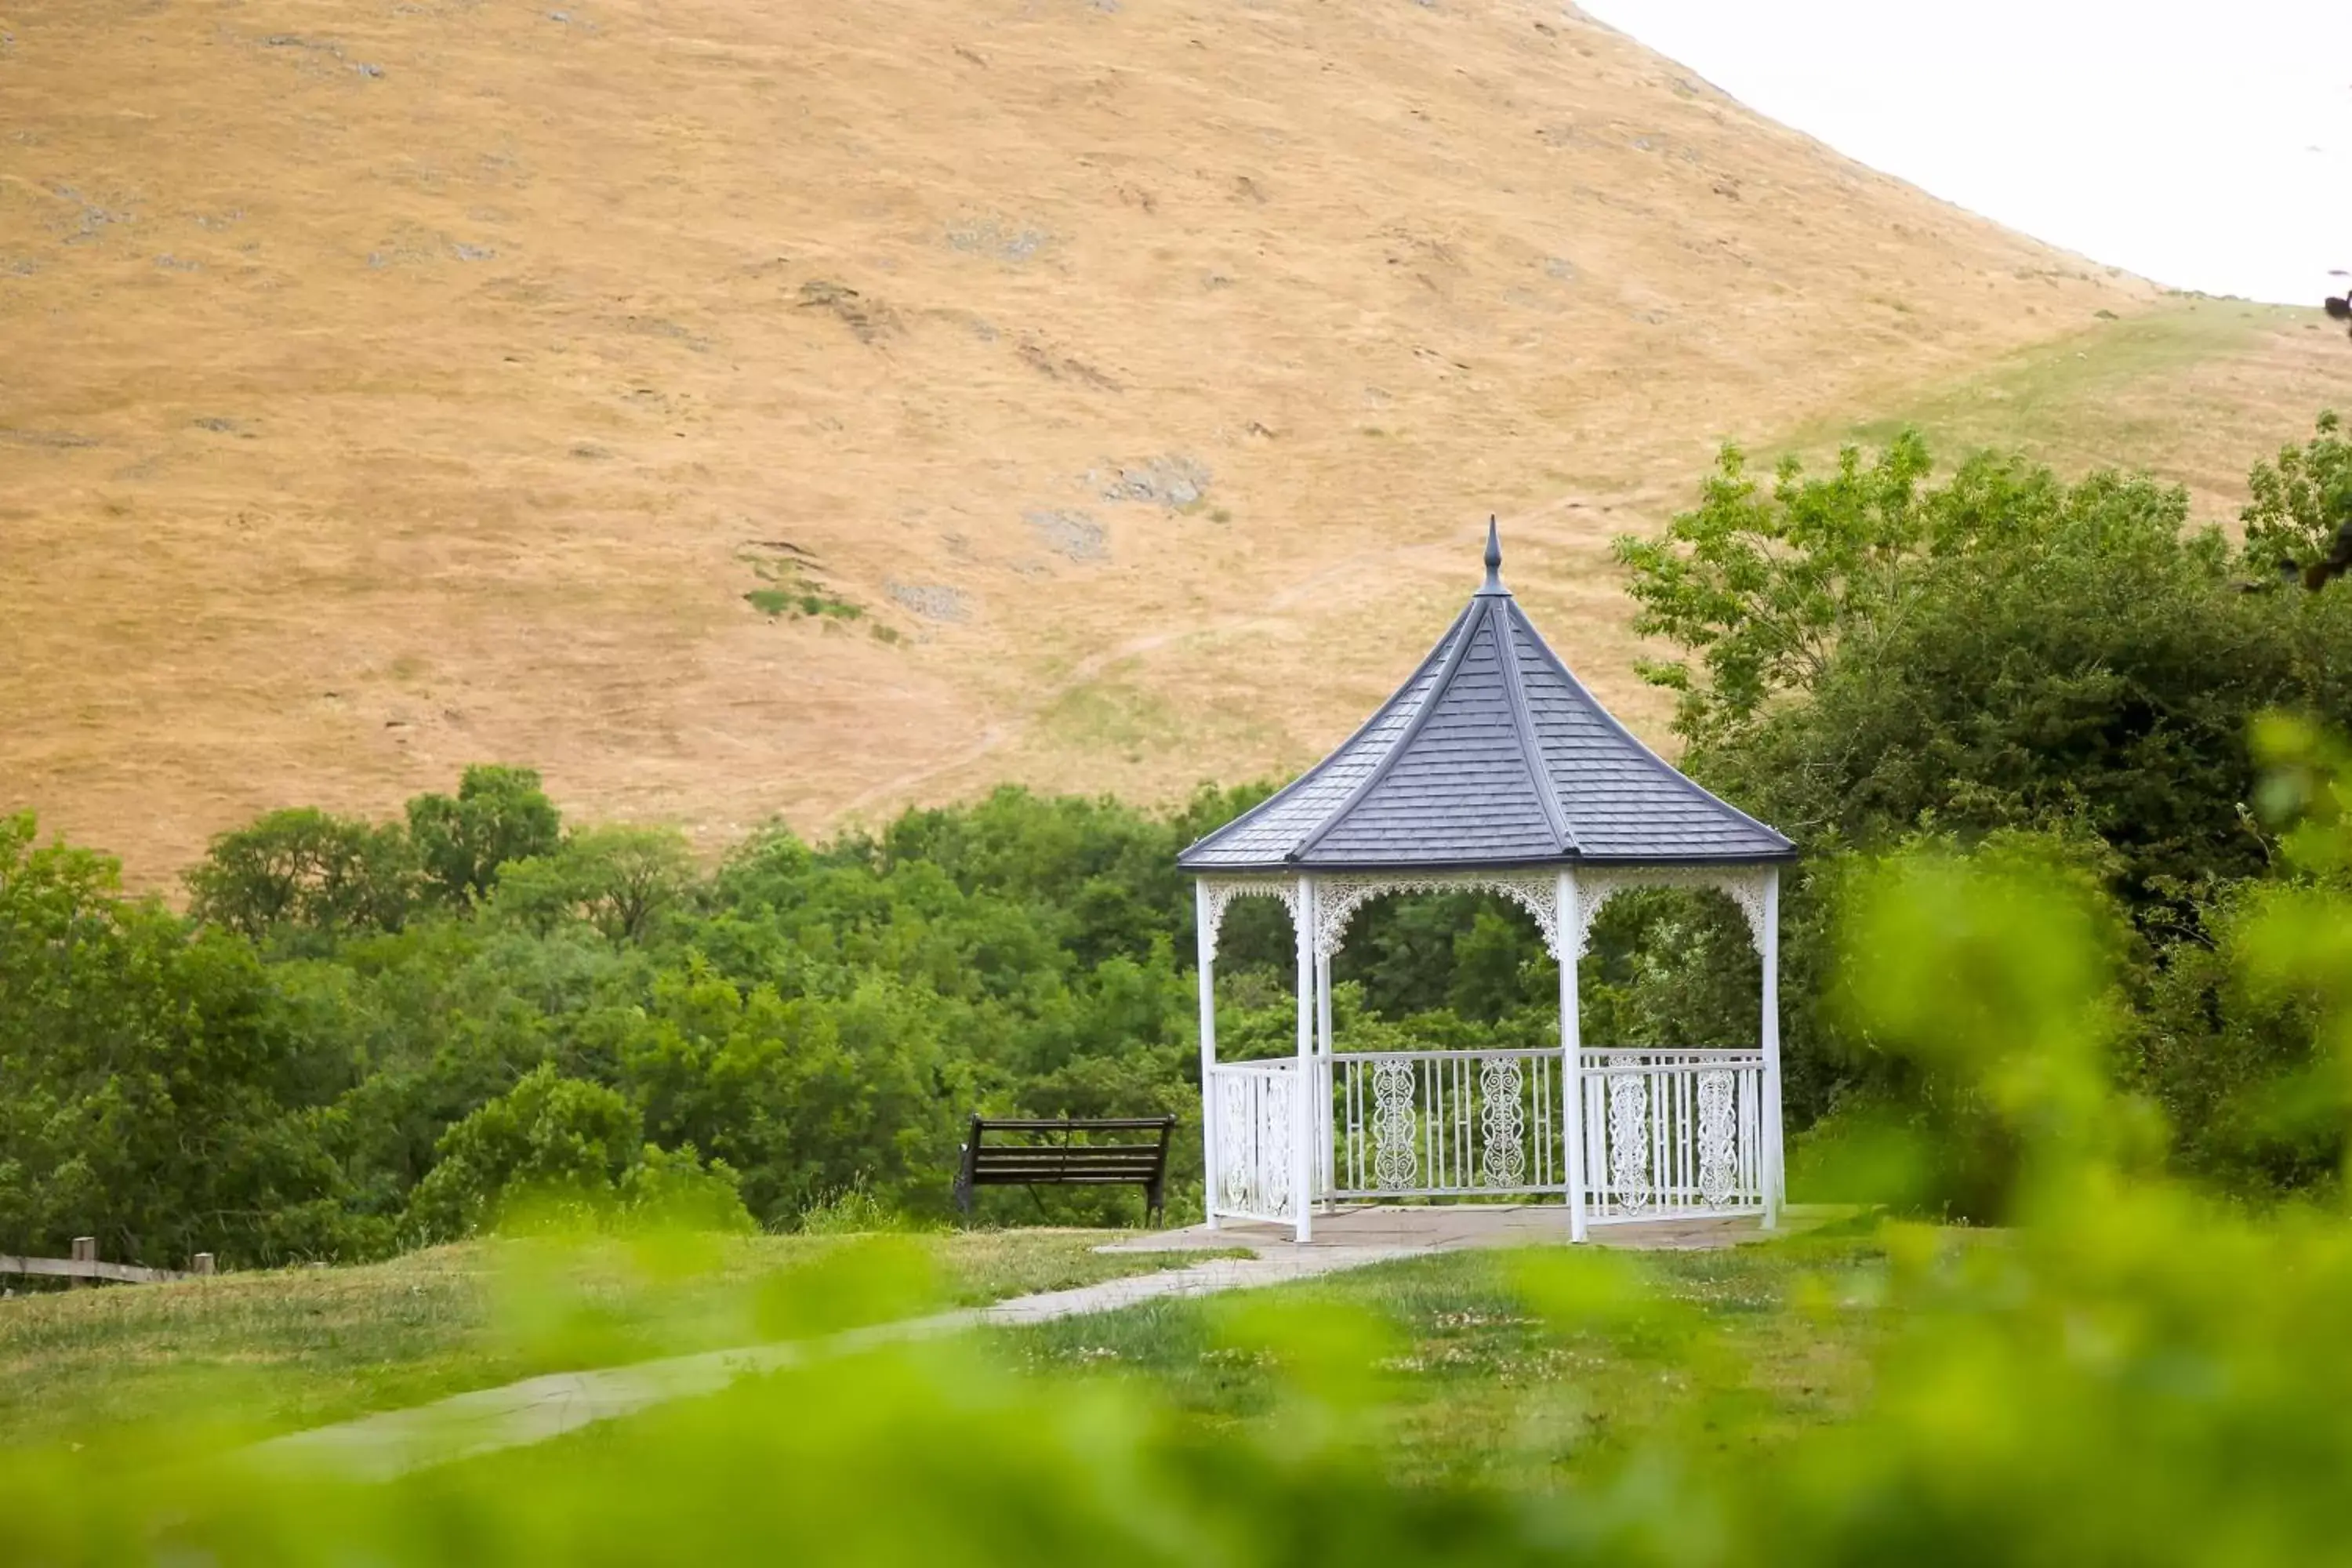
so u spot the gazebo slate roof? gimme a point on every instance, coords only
(1491, 754)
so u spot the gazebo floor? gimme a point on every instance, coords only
(1443, 1227)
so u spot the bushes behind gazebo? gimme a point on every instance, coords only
(2002, 659)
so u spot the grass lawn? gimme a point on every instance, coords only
(273, 1352)
(1471, 1377)
(2117, 391)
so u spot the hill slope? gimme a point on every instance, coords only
(397, 384)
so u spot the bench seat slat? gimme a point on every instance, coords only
(1036, 1175)
(1108, 1150)
(1064, 1165)
(1054, 1157)
(1078, 1124)
(1098, 1179)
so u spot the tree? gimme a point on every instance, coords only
(303, 868)
(2073, 662)
(2005, 650)
(1762, 586)
(499, 814)
(150, 1092)
(619, 879)
(550, 1136)
(805, 1096)
(2300, 500)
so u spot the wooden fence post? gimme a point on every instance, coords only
(201, 1263)
(85, 1250)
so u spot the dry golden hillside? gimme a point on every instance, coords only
(394, 384)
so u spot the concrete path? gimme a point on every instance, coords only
(381, 1446)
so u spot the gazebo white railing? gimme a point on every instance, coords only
(1631, 1133)
(1491, 770)
(1446, 1124)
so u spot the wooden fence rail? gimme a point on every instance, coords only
(84, 1265)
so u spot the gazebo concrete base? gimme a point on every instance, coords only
(1444, 1228)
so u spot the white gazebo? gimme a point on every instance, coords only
(1491, 770)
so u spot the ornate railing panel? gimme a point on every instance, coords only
(1666, 1133)
(1446, 1124)
(1673, 1132)
(1256, 1114)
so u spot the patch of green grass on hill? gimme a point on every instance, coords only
(2069, 401)
(1476, 1382)
(1116, 713)
(257, 1352)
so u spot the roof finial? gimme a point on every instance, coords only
(1494, 559)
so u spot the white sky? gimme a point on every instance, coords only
(2206, 146)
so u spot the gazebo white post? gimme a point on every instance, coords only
(1304, 1120)
(1775, 1176)
(1324, 1070)
(1206, 942)
(1572, 1048)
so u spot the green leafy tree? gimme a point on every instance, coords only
(619, 879)
(1762, 586)
(676, 1189)
(150, 1092)
(303, 869)
(805, 1096)
(2300, 500)
(1497, 965)
(549, 1137)
(2069, 660)
(499, 814)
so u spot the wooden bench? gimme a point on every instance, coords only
(1039, 1161)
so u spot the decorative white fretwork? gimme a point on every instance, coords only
(1394, 1164)
(1718, 1138)
(1223, 890)
(1254, 1111)
(1503, 1121)
(1446, 1123)
(1339, 895)
(1629, 1142)
(1674, 1132)
(1596, 885)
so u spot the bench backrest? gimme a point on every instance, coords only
(1047, 1152)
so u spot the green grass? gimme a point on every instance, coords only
(1117, 715)
(790, 590)
(796, 601)
(1472, 1377)
(2068, 402)
(1114, 715)
(1463, 1366)
(277, 1351)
